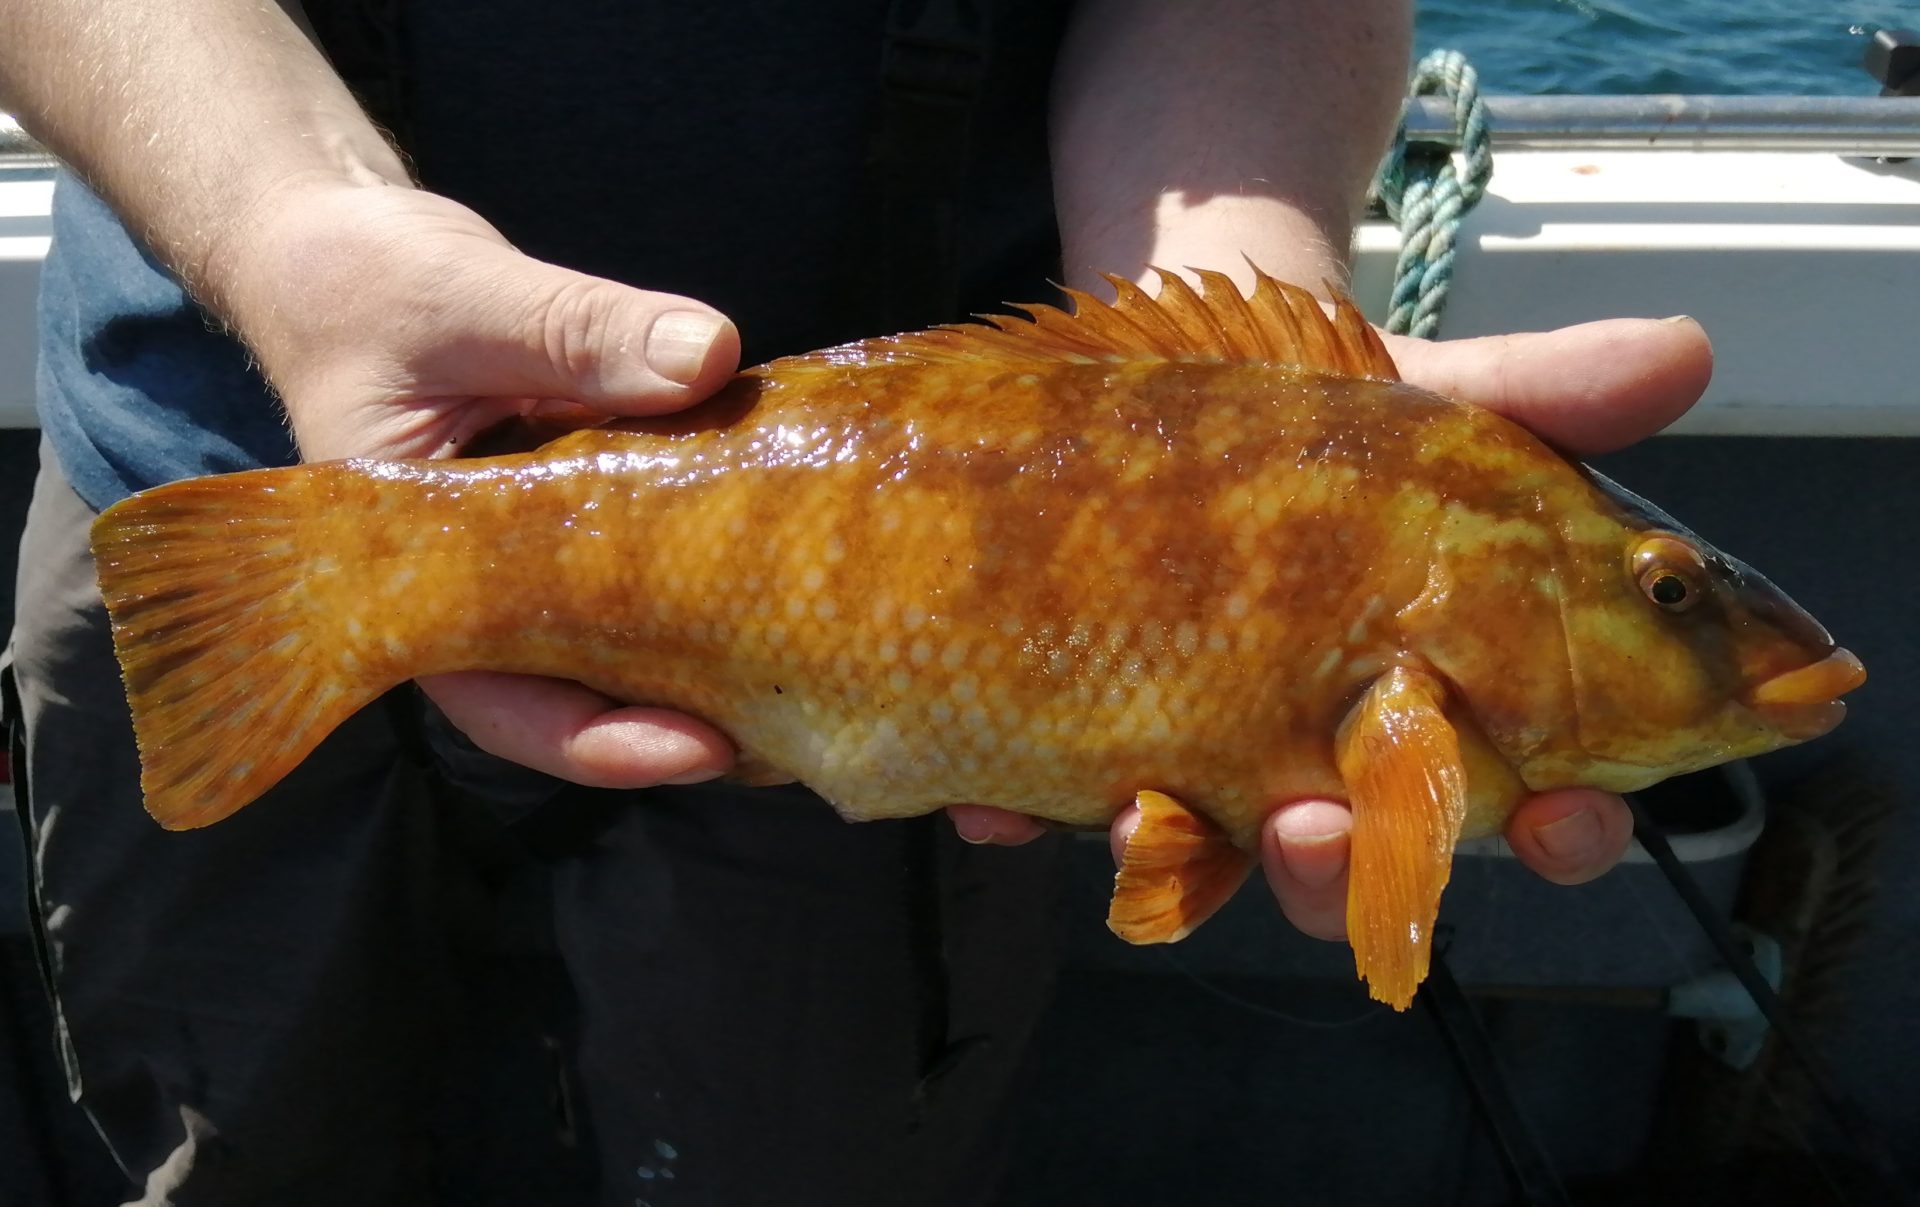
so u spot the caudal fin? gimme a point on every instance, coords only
(234, 666)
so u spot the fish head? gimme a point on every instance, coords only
(1678, 656)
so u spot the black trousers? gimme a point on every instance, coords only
(336, 996)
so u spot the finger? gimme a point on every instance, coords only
(1571, 835)
(576, 734)
(984, 824)
(525, 328)
(1590, 388)
(1303, 847)
(1120, 830)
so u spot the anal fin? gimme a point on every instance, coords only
(1175, 871)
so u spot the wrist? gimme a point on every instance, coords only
(238, 265)
(1232, 235)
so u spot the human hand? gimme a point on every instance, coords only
(398, 323)
(1588, 389)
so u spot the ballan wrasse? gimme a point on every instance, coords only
(1207, 553)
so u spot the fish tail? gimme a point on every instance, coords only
(236, 663)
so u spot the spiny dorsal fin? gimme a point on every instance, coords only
(1279, 325)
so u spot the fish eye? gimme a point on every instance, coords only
(1669, 590)
(1671, 572)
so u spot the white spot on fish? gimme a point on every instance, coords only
(888, 651)
(1365, 668)
(813, 578)
(1186, 638)
(1237, 607)
(922, 652)
(898, 681)
(826, 609)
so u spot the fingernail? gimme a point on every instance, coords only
(698, 775)
(679, 341)
(973, 829)
(1676, 319)
(1314, 872)
(1572, 839)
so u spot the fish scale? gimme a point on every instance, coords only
(1203, 555)
(958, 682)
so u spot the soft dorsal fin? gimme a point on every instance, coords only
(1279, 324)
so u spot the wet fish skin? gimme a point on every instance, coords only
(1206, 552)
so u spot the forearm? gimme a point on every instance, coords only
(1210, 132)
(186, 115)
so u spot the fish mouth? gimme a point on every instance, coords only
(1805, 703)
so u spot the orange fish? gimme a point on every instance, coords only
(1204, 553)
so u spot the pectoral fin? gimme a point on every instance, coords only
(1407, 784)
(1176, 870)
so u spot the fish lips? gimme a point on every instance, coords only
(1805, 703)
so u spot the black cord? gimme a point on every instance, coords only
(1528, 1166)
(1848, 1119)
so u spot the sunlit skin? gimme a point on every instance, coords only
(1043, 570)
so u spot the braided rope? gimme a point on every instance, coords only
(1427, 195)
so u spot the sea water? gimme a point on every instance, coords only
(1751, 47)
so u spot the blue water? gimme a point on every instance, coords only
(1754, 47)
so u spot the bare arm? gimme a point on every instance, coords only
(132, 95)
(1202, 133)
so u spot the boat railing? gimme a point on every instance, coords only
(1863, 125)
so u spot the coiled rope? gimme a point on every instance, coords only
(1427, 195)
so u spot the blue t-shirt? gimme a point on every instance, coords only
(716, 151)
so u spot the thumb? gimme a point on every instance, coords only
(1590, 388)
(552, 333)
